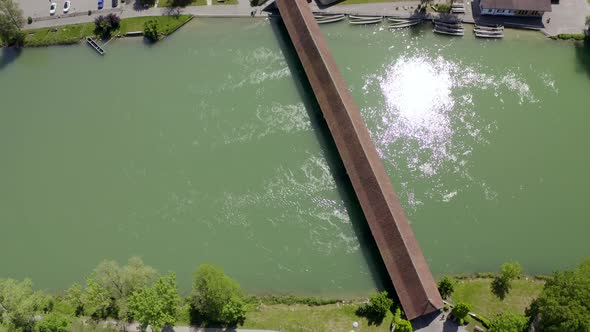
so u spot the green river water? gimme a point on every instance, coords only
(207, 148)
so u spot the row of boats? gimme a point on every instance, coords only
(394, 23)
(442, 27)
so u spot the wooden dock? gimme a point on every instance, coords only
(402, 256)
(95, 45)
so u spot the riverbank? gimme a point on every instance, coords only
(74, 33)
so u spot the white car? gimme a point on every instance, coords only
(52, 8)
(66, 6)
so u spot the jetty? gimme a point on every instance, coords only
(95, 45)
(401, 253)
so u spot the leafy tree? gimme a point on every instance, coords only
(150, 30)
(96, 299)
(119, 281)
(377, 308)
(502, 283)
(446, 286)
(401, 325)
(509, 322)
(105, 25)
(74, 298)
(157, 305)
(216, 298)
(11, 21)
(460, 311)
(18, 304)
(54, 322)
(564, 303)
(114, 21)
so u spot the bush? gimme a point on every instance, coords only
(485, 275)
(29, 20)
(443, 8)
(575, 36)
(466, 320)
(114, 21)
(89, 12)
(290, 300)
(461, 310)
(446, 287)
(377, 308)
(216, 298)
(484, 321)
(54, 322)
(150, 30)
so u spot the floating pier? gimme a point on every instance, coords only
(95, 45)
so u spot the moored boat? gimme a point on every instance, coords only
(400, 25)
(365, 21)
(330, 19)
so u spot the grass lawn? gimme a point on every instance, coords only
(181, 3)
(166, 24)
(226, 2)
(300, 317)
(351, 2)
(477, 293)
(67, 34)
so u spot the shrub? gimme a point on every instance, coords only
(150, 30)
(466, 320)
(446, 286)
(575, 36)
(54, 322)
(485, 275)
(461, 310)
(29, 20)
(114, 21)
(89, 12)
(443, 8)
(377, 308)
(290, 300)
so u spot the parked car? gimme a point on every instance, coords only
(100, 4)
(67, 6)
(52, 8)
(115, 3)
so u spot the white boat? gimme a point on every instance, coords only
(489, 35)
(330, 19)
(488, 28)
(449, 25)
(364, 17)
(397, 19)
(448, 32)
(450, 29)
(400, 25)
(365, 21)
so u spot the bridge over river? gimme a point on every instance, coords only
(403, 258)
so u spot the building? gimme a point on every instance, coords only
(535, 8)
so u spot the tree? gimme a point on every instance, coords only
(508, 322)
(18, 304)
(215, 295)
(157, 305)
(54, 322)
(587, 30)
(11, 21)
(377, 308)
(401, 325)
(150, 30)
(502, 283)
(460, 311)
(105, 25)
(446, 286)
(119, 281)
(114, 21)
(96, 299)
(564, 303)
(74, 298)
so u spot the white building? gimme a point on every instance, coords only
(515, 7)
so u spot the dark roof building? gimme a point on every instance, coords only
(515, 7)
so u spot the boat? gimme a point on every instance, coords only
(400, 25)
(449, 24)
(364, 17)
(490, 28)
(489, 35)
(398, 19)
(330, 19)
(454, 32)
(366, 21)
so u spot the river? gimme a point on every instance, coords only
(207, 148)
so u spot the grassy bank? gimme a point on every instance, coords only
(226, 2)
(477, 293)
(181, 3)
(74, 33)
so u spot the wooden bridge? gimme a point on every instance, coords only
(403, 258)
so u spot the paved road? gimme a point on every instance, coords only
(567, 17)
